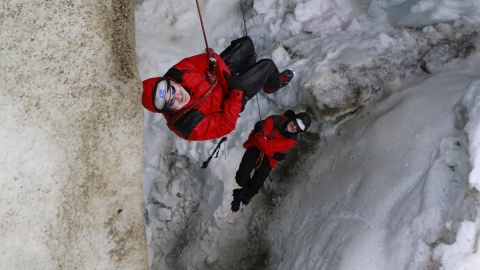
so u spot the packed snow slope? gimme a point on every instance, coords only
(388, 190)
(386, 177)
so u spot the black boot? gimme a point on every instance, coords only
(235, 204)
(238, 193)
(239, 197)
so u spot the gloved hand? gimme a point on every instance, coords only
(279, 156)
(233, 82)
(289, 114)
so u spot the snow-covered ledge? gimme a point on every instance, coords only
(71, 136)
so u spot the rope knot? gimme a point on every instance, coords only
(210, 73)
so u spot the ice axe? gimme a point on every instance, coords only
(215, 151)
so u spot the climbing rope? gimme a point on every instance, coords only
(260, 116)
(244, 21)
(201, 22)
(256, 96)
(211, 76)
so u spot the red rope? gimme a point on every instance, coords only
(211, 76)
(201, 22)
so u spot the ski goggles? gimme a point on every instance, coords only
(299, 125)
(162, 89)
(172, 99)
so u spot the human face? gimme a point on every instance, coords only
(179, 98)
(291, 127)
(295, 126)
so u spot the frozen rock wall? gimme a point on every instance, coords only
(71, 136)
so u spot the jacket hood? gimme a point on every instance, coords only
(149, 92)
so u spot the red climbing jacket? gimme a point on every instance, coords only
(272, 140)
(212, 118)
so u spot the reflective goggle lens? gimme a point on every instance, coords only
(172, 99)
(299, 126)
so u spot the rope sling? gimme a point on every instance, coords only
(212, 79)
(262, 154)
(210, 74)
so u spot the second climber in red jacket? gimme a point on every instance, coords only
(192, 113)
(266, 144)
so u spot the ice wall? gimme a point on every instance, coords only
(71, 137)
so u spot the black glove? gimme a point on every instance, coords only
(279, 156)
(233, 81)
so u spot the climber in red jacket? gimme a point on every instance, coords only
(181, 95)
(266, 145)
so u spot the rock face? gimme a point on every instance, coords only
(71, 136)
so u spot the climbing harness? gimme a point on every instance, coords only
(259, 160)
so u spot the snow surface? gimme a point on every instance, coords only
(386, 178)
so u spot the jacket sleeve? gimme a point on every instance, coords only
(271, 146)
(221, 123)
(191, 71)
